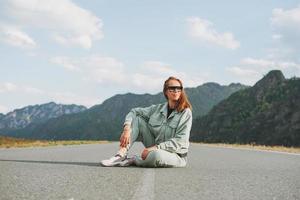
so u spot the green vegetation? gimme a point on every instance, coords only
(268, 114)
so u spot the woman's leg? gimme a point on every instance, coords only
(139, 132)
(161, 158)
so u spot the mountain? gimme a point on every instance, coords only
(21, 118)
(1, 116)
(105, 121)
(204, 97)
(267, 113)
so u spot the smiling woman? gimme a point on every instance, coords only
(164, 129)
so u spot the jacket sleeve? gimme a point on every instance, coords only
(143, 112)
(180, 142)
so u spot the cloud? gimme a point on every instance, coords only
(32, 90)
(148, 77)
(250, 70)
(152, 75)
(204, 30)
(286, 28)
(71, 98)
(67, 23)
(286, 18)
(59, 97)
(65, 62)
(101, 69)
(105, 69)
(15, 37)
(7, 87)
(3, 109)
(240, 71)
(276, 36)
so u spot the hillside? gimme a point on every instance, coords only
(267, 113)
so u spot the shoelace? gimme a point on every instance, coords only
(117, 156)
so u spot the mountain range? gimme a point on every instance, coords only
(104, 121)
(20, 118)
(267, 113)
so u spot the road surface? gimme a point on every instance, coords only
(73, 172)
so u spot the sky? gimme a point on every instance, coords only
(83, 52)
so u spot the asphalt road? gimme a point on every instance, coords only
(73, 172)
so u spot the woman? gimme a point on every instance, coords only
(164, 129)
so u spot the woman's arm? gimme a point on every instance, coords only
(143, 112)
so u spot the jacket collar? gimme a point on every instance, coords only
(164, 110)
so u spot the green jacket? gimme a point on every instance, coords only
(172, 133)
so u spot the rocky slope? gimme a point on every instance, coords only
(21, 118)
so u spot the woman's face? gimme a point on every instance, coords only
(174, 90)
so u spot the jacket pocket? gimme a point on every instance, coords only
(155, 122)
(173, 124)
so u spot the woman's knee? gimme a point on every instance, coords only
(155, 155)
(159, 158)
(155, 158)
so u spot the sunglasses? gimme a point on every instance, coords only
(174, 88)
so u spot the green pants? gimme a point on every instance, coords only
(158, 158)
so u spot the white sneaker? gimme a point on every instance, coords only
(113, 161)
(128, 162)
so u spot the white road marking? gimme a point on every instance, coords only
(146, 189)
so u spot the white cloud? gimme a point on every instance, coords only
(95, 68)
(152, 75)
(149, 77)
(250, 70)
(71, 98)
(276, 36)
(7, 87)
(270, 64)
(15, 37)
(281, 53)
(65, 62)
(286, 18)
(32, 90)
(204, 30)
(37, 93)
(239, 71)
(68, 23)
(262, 63)
(3, 109)
(286, 27)
(105, 69)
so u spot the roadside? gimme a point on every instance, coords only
(10, 142)
(254, 147)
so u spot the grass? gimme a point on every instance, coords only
(256, 147)
(10, 142)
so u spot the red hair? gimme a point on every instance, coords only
(183, 101)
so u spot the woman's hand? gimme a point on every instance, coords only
(146, 151)
(125, 137)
